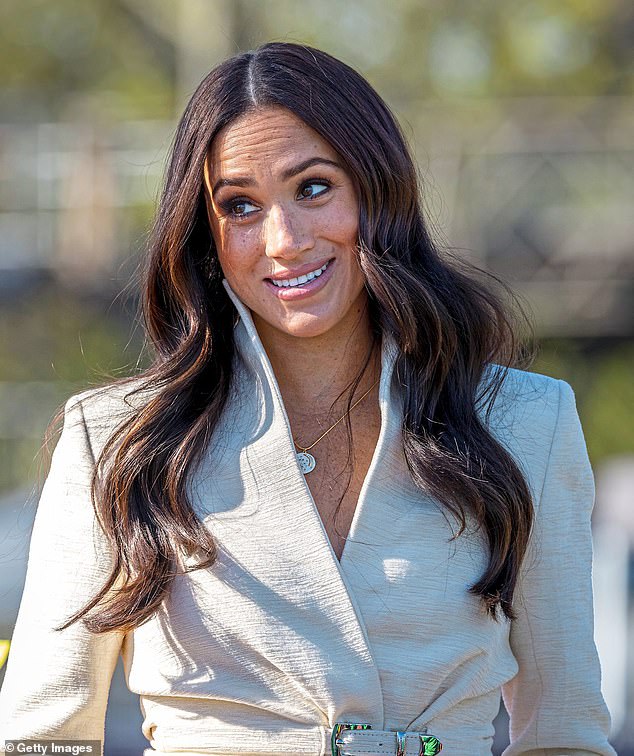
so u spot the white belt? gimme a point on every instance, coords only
(356, 739)
(344, 739)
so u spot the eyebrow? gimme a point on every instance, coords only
(287, 174)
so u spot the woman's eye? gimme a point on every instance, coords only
(307, 190)
(239, 208)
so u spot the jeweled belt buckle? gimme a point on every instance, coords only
(336, 742)
(429, 744)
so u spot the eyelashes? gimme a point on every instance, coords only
(231, 206)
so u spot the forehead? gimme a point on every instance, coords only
(272, 134)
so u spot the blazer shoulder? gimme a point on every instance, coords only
(521, 395)
(524, 414)
(103, 409)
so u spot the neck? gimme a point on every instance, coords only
(313, 371)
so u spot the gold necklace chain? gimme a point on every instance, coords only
(306, 448)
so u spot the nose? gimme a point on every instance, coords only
(285, 235)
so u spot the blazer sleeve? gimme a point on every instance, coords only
(555, 702)
(57, 683)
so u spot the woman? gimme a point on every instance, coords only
(334, 514)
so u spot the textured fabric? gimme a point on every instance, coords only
(278, 640)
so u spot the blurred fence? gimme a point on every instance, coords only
(540, 190)
(537, 189)
(76, 196)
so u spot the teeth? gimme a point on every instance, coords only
(301, 279)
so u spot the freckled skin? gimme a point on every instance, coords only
(282, 228)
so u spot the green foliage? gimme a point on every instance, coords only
(62, 337)
(58, 56)
(120, 58)
(603, 382)
(608, 407)
(66, 341)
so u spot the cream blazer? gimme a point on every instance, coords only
(263, 652)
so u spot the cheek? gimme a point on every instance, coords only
(238, 248)
(341, 224)
(344, 233)
(349, 217)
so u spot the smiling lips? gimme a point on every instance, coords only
(305, 278)
(300, 287)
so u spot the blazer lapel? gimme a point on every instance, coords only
(274, 549)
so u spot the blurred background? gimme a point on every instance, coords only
(520, 116)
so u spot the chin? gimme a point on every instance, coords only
(312, 328)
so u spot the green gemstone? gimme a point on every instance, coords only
(431, 745)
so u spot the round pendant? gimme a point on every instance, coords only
(306, 462)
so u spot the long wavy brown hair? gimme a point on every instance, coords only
(451, 321)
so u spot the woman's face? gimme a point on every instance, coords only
(283, 205)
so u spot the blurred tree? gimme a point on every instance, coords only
(608, 406)
(56, 55)
(82, 339)
(602, 377)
